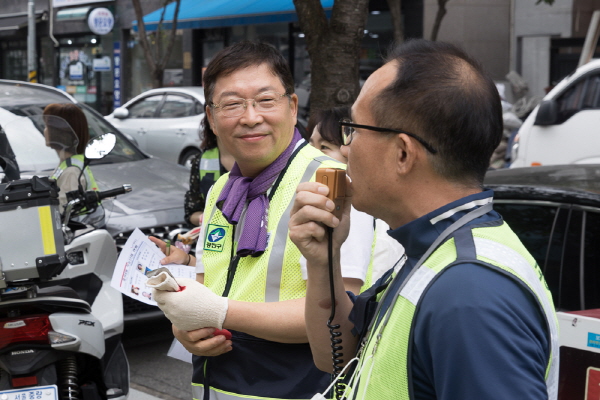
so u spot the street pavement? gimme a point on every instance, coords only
(154, 374)
(135, 394)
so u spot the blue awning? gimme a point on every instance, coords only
(220, 13)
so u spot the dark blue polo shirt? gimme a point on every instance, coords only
(478, 334)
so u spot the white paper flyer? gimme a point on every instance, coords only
(138, 256)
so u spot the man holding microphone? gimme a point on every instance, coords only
(469, 316)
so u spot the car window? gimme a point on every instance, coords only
(27, 143)
(583, 95)
(591, 278)
(591, 98)
(176, 106)
(146, 107)
(199, 108)
(570, 101)
(565, 241)
(532, 223)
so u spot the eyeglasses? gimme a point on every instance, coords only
(263, 102)
(347, 130)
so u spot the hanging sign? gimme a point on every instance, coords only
(101, 64)
(101, 21)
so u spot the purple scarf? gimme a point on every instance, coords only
(239, 189)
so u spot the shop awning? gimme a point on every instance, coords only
(9, 23)
(219, 13)
(12, 23)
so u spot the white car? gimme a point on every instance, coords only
(564, 128)
(165, 122)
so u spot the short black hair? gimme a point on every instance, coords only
(328, 121)
(243, 55)
(445, 96)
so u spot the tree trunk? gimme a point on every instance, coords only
(156, 60)
(396, 12)
(334, 50)
(438, 19)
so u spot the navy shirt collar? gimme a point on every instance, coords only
(418, 235)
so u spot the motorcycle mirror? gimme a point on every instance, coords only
(100, 146)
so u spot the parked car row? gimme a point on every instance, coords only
(156, 203)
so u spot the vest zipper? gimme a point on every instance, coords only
(233, 264)
(231, 274)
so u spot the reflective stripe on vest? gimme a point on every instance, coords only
(273, 276)
(209, 163)
(375, 379)
(281, 253)
(198, 394)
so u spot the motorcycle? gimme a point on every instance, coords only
(60, 320)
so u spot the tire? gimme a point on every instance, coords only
(186, 158)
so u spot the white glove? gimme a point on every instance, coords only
(193, 307)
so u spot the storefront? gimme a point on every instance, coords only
(83, 54)
(210, 25)
(13, 41)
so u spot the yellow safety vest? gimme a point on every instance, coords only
(385, 363)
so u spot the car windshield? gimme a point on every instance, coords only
(21, 106)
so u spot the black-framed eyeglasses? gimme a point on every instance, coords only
(347, 130)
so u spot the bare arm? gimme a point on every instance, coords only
(310, 214)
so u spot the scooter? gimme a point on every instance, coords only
(60, 320)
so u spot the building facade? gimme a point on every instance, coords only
(541, 42)
(105, 67)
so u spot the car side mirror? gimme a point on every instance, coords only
(121, 113)
(547, 113)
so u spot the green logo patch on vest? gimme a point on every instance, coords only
(215, 235)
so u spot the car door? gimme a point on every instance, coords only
(574, 137)
(175, 128)
(565, 241)
(142, 115)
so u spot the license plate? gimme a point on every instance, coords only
(31, 393)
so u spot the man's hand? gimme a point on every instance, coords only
(311, 213)
(176, 256)
(202, 343)
(194, 306)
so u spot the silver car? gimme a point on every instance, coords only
(165, 122)
(156, 203)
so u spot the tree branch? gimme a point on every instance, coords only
(396, 12)
(142, 35)
(438, 19)
(172, 37)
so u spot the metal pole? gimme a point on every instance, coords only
(591, 39)
(31, 53)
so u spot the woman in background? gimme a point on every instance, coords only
(67, 132)
(207, 167)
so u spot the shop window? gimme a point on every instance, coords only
(15, 64)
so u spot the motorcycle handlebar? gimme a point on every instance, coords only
(113, 192)
(89, 199)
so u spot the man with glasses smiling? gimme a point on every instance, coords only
(469, 316)
(244, 254)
